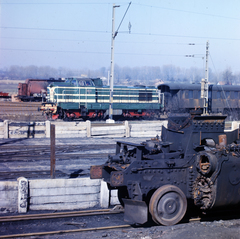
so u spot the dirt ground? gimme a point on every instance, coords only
(201, 230)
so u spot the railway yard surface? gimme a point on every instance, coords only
(30, 158)
(112, 226)
(20, 111)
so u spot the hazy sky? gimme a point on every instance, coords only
(77, 33)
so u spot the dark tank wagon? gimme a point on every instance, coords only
(194, 162)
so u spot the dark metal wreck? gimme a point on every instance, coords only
(194, 162)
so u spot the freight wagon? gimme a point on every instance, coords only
(34, 89)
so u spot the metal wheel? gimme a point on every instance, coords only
(168, 205)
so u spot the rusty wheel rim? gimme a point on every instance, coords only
(168, 205)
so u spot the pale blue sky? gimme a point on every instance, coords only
(77, 34)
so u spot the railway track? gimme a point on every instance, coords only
(62, 148)
(23, 111)
(28, 158)
(117, 209)
(9, 107)
(62, 151)
(62, 215)
(64, 231)
(85, 222)
(32, 161)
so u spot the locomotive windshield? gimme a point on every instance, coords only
(80, 81)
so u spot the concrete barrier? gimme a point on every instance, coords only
(63, 194)
(8, 196)
(55, 194)
(79, 129)
(26, 130)
(87, 129)
(1, 130)
(147, 130)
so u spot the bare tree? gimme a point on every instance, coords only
(228, 77)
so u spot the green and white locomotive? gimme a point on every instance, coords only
(88, 98)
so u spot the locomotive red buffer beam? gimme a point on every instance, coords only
(48, 108)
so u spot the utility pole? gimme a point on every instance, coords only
(114, 34)
(204, 83)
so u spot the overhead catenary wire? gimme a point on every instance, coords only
(133, 33)
(87, 40)
(107, 3)
(97, 52)
(186, 11)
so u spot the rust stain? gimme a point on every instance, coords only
(96, 172)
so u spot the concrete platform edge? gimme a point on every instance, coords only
(54, 194)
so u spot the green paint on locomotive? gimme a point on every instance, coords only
(90, 94)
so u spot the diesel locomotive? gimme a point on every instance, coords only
(88, 98)
(194, 163)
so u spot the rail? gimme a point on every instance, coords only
(64, 231)
(115, 210)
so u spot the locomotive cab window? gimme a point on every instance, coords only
(74, 82)
(81, 83)
(88, 83)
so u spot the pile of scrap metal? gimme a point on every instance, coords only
(195, 161)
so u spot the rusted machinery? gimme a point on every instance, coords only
(194, 162)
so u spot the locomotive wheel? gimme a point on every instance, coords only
(168, 205)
